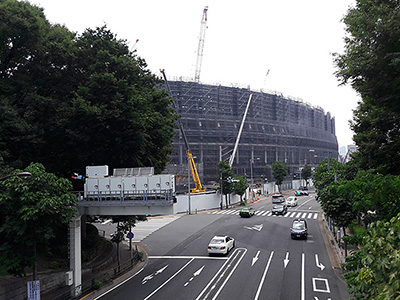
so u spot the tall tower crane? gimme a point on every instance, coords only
(196, 178)
(200, 48)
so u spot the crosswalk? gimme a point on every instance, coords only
(268, 213)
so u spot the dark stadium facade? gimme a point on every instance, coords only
(276, 128)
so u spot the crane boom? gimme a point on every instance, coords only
(240, 132)
(203, 27)
(198, 187)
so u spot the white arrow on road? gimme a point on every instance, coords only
(316, 298)
(319, 265)
(161, 270)
(255, 227)
(147, 278)
(286, 260)
(197, 273)
(255, 258)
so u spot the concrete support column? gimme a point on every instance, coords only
(75, 255)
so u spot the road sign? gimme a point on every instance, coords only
(130, 235)
(33, 290)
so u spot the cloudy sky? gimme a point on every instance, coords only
(290, 40)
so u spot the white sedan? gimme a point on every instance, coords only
(291, 201)
(221, 245)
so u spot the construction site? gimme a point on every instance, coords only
(276, 128)
(220, 123)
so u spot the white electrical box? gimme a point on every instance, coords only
(96, 171)
(69, 278)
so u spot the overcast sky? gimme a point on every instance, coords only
(290, 40)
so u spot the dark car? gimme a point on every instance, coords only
(247, 212)
(279, 209)
(299, 229)
(278, 198)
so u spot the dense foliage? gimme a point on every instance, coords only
(240, 186)
(226, 174)
(279, 171)
(68, 100)
(373, 272)
(371, 64)
(31, 211)
(306, 173)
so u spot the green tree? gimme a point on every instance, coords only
(373, 272)
(327, 172)
(306, 173)
(71, 100)
(279, 171)
(371, 64)
(226, 174)
(239, 187)
(31, 210)
(124, 225)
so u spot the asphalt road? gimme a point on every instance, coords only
(265, 264)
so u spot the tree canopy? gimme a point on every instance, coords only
(371, 64)
(279, 171)
(31, 210)
(70, 100)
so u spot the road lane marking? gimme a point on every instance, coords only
(264, 275)
(151, 276)
(168, 280)
(222, 269)
(310, 215)
(318, 264)
(315, 216)
(255, 258)
(303, 287)
(197, 273)
(118, 285)
(325, 282)
(286, 260)
(187, 257)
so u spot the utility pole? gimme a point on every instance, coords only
(203, 27)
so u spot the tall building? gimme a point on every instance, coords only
(276, 128)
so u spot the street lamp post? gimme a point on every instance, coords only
(22, 175)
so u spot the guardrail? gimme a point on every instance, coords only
(140, 198)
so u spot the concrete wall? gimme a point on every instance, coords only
(212, 200)
(201, 201)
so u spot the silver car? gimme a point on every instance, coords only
(221, 245)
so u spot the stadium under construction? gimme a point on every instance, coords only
(276, 128)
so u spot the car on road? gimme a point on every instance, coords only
(279, 209)
(301, 193)
(278, 198)
(299, 229)
(291, 201)
(247, 212)
(221, 244)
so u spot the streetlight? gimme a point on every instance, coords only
(251, 174)
(22, 175)
(311, 160)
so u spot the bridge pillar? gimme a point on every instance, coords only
(75, 254)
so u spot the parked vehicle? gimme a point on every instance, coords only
(299, 229)
(220, 245)
(247, 212)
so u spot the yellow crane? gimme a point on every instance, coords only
(198, 187)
